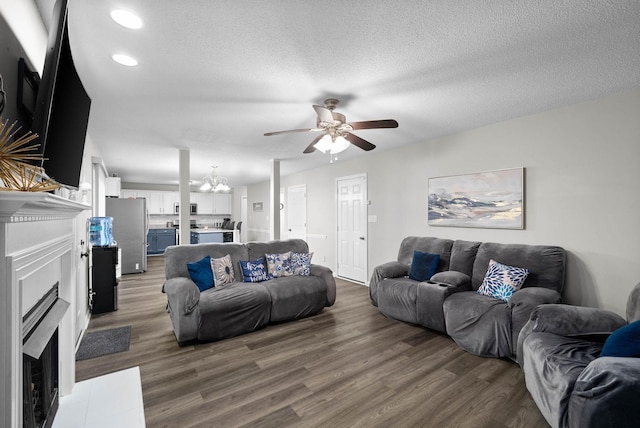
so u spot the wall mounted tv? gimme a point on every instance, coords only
(62, 107)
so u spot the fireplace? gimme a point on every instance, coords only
(40, 360)
(40, 261)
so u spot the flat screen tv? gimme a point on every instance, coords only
(62, 106)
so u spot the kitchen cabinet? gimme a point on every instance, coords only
(159, 202)
(204, 201)
(212, 203)
(222, 203)
(159, 239)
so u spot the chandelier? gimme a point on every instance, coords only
(215, 183)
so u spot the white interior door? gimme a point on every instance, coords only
(297, 212)
(352, 227)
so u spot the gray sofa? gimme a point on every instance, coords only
(449, 303)
(240, 307)
(573, 386)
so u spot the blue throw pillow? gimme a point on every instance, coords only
(254, 270)
(423, 266)
(624, 342)
(201, 273)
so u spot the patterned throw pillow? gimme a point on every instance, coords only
(501, 281)
(254, 270)
(279, 264)
(222, 271)
(200, 273)
(301, 263)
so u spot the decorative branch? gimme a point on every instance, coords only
(16, 173)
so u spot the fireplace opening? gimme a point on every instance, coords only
(40, 360)
(40, 386)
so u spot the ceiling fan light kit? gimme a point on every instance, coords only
(337, 136)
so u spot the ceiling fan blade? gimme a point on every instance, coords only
(324, 114)
(310, 148)
(359, 142)
(374, 124)
(291, 131)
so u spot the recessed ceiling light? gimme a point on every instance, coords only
(126, 19)
(124, 60)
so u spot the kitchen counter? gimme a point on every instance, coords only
(202, 235)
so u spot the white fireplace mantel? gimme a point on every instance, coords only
(37, 248)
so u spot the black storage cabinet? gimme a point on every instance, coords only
(103, 279)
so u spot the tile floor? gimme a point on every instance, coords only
(112, 400)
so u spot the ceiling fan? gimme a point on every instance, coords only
(335, 131)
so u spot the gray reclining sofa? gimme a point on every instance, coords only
(572, 384)
(449, 303)
(240, 307)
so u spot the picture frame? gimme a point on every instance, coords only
(257, 207)
(491, 199)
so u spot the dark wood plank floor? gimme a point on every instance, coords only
(347, 367)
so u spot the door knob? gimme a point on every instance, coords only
(362, 238)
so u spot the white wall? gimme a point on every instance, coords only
(582, 184)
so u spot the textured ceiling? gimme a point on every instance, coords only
(214, 76)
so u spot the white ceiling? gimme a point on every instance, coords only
(214, 76)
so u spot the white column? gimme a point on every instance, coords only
(274, 189)
(183, 189)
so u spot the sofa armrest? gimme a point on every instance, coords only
(326, 274)
(522, 304)
(183, 297)
(387, 270)
(606, 394)
(182, 294)
(460, 281)
(569, 320)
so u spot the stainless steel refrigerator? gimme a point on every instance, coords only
(130, 227)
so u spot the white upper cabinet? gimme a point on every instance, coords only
(204, 201)
(222, 203)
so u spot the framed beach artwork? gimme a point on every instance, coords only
(492, 199)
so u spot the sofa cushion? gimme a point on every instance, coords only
(201, 273)
(279, 264)
(479, 324)
(301, 263)
(463, 253)
(551, 365)
(233, 310)
(624, 342)
(428, 245)
(222, 271)
(176, 257)
(423, 265)
(254, 270)
(294, 297)
(397, 299)
(501, 280)
(545, 263)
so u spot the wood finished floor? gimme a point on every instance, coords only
(347, 367)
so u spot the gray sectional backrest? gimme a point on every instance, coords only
(176, 257)
(259, 249)
(427, 245)
(545, 263)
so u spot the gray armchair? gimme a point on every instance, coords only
(573, 386)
